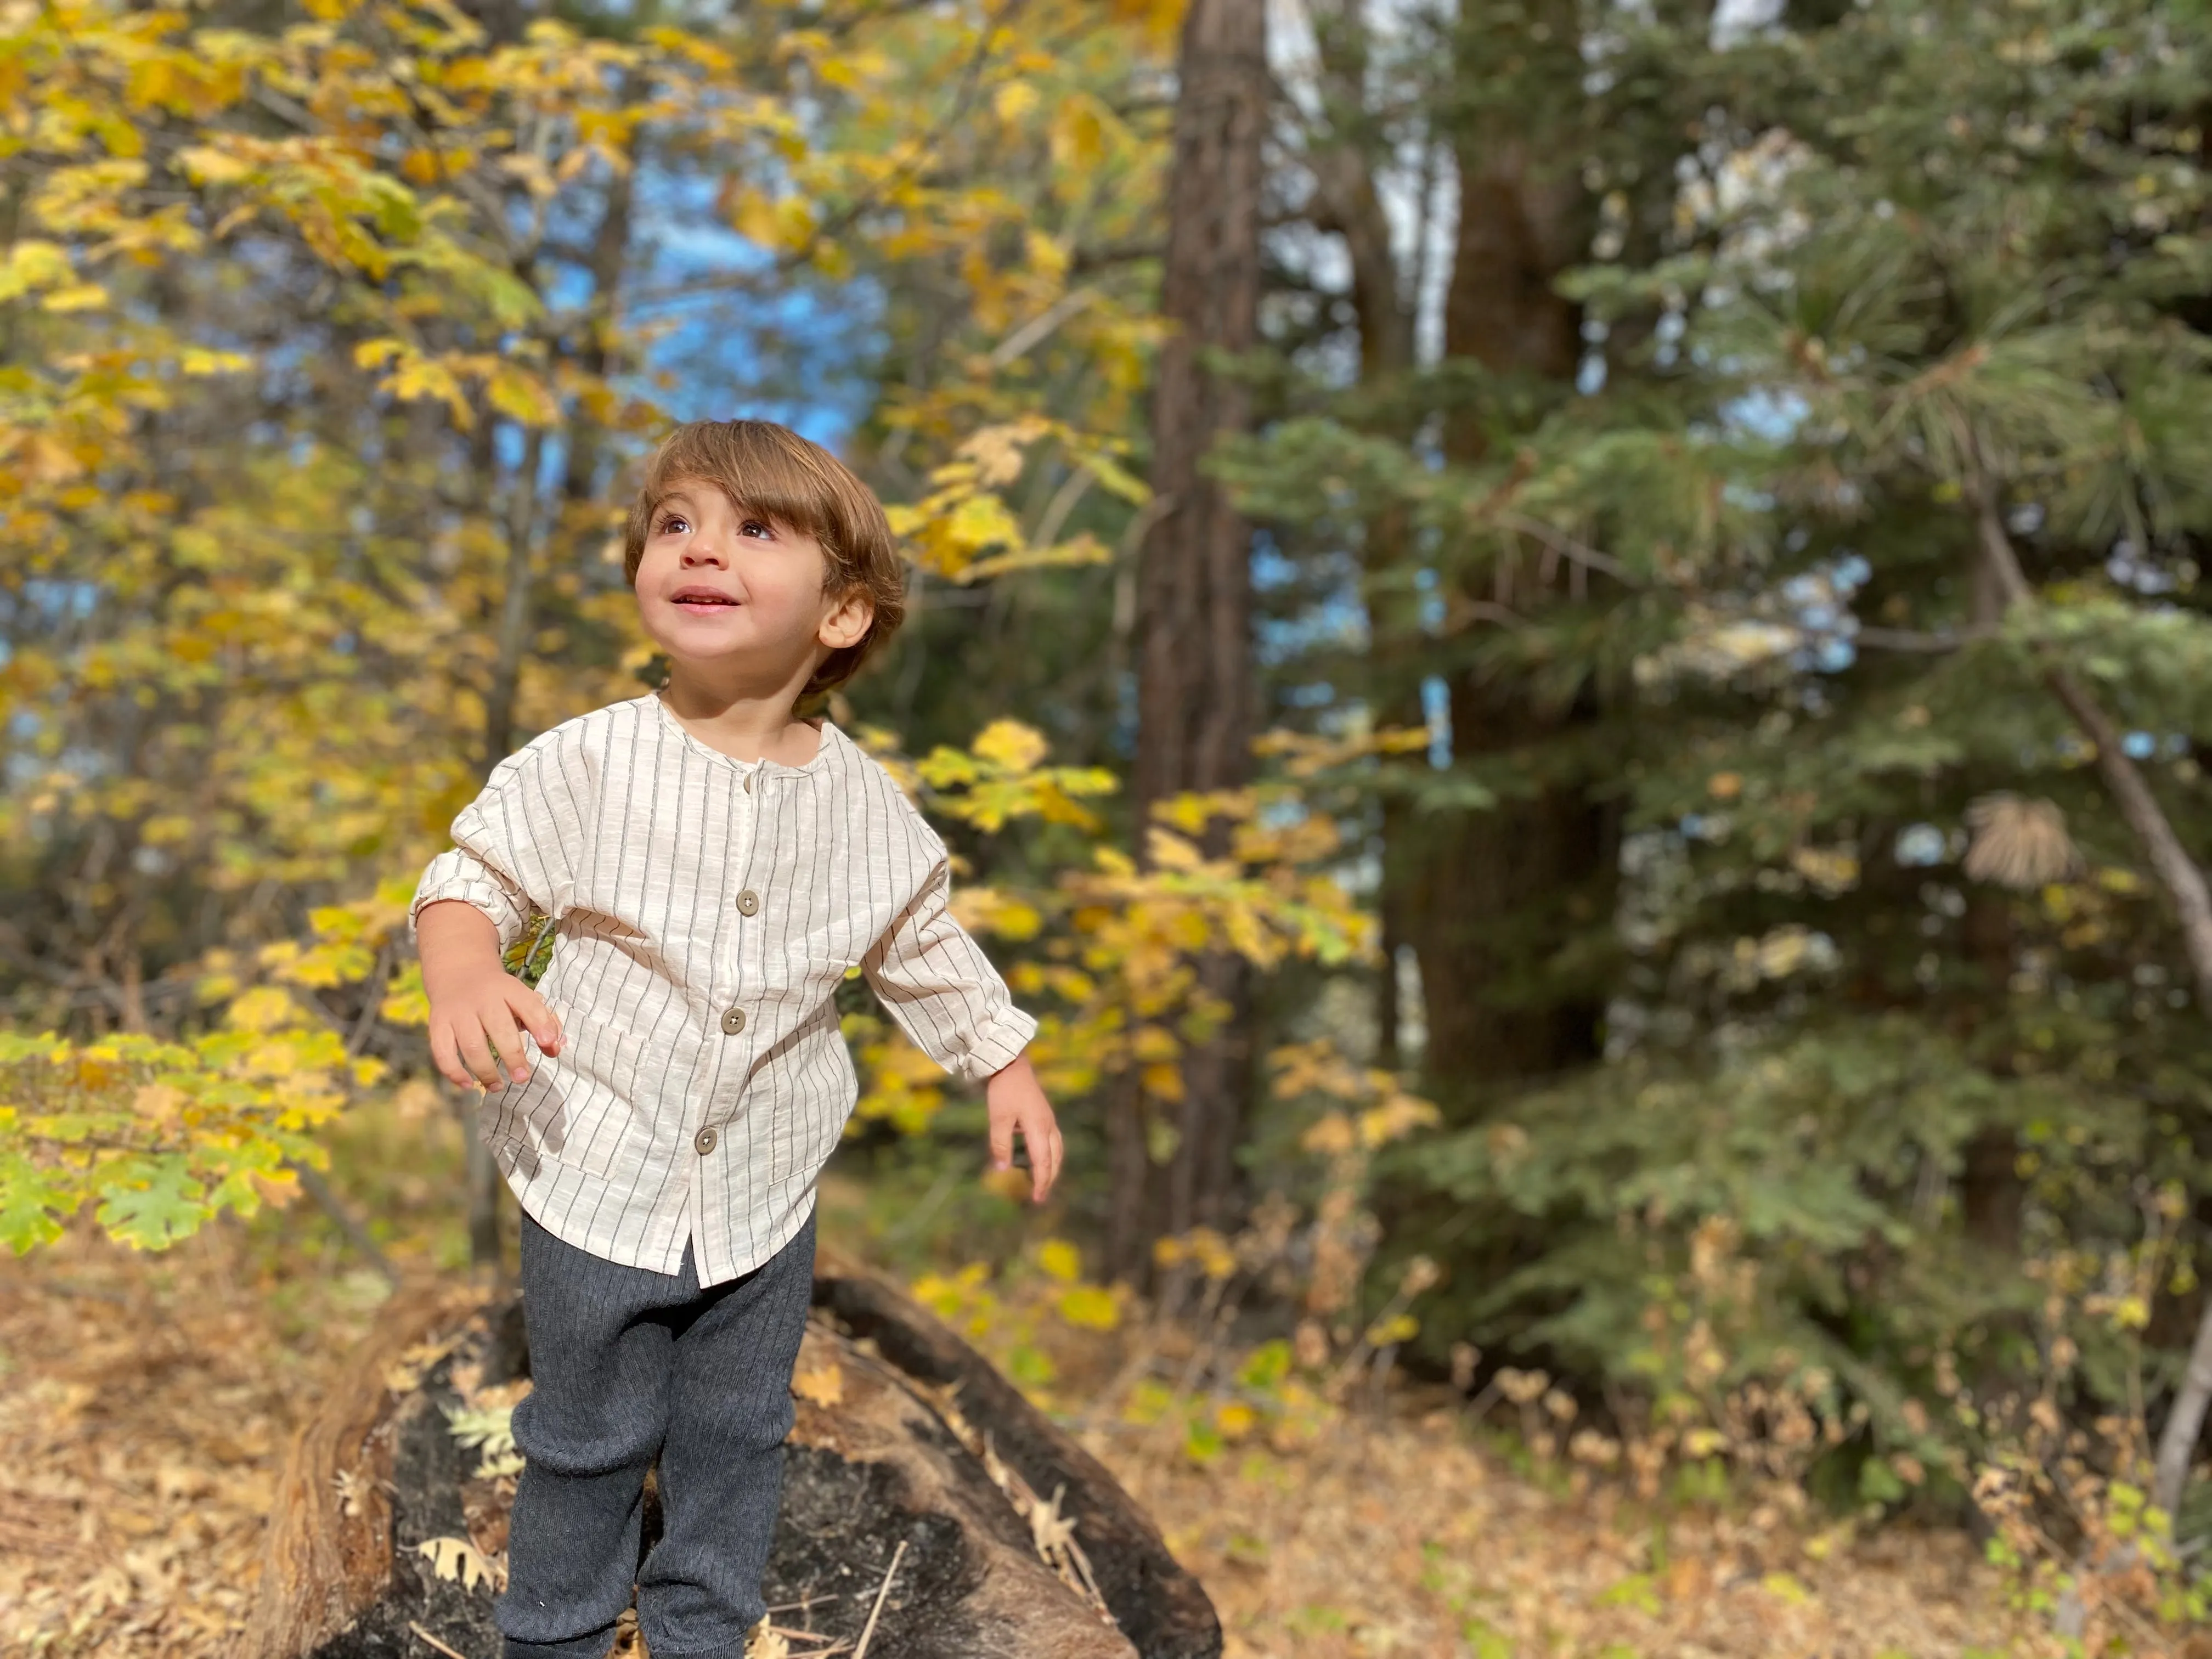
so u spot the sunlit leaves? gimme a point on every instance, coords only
(1114, 944)
(965, 530)
(160, 1137)
(999, 778)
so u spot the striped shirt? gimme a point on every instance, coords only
(705, 910)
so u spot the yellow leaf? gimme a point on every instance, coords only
(33, 265)
(1163, 1082)
(195, 361)
(1060, 1259)
(1785, 1587)
(1091, 1307)
(978, 522)
(1013, 100)
(458, 1558)
(206, 164)
(408, 1004)
(825, 1387)
(261, 1010)
(1011, 1184)
(158, 1101)
(1079, 135)
(1011, 745)
(1403, 1328)
(1172, 851)
(79, 296)
(522, 397)
(1331, 1137)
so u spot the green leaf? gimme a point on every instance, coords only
(150, 1201)
(32, 1203)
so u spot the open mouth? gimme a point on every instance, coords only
(700, 602)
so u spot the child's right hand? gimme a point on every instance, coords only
(478, 1011)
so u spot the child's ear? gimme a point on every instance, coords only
(847, 624)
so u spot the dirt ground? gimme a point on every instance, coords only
(146, 1403)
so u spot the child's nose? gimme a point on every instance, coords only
(705, 549)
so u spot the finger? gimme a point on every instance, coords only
(539, 1020)
(1002, 1140)
(445, 1054)
(1052, 1160)
(1037, 1136)
(476, 1054)
(506, 1037)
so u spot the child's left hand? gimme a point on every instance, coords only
(1017, 1102)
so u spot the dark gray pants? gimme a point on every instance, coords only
(627, 1365)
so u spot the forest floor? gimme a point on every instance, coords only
(146, 1403)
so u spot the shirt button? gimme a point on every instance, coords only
(705, 1139)
(748, 902)
(733, 1022)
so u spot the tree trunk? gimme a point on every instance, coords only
(1488, 895)
(1342, 155)
(911, 1461)
(1195, 694)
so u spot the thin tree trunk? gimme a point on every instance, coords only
(512, 642)
(2187, 890)
(1342, 154)
(513, 639)
(610, 251)
(1194, 696)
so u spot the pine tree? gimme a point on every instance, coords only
(1869, 542)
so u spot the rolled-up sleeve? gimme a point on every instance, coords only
(507, 859)
(934, 979)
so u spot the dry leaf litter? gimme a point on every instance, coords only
(146, 1403)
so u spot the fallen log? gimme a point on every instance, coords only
(929, 1510)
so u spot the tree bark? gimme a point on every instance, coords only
(1194, 695)
(908, 1448)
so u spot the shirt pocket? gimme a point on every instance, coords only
(619, 1072)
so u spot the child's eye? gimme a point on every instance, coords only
(674, 525)
(757, 527)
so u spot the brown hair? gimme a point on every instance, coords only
(771, 471)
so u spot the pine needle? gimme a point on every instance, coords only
(868, 1629)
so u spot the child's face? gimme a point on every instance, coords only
(721, 587)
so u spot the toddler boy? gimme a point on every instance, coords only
(662, 1103)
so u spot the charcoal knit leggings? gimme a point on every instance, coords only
(627, 1365)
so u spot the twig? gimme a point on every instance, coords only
(373, 1005)
(868, 1629)
(450, 1653)
(1558, 541)
(348, 1223)
(1898, 639)
(1040, 328)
